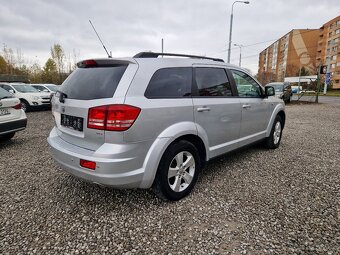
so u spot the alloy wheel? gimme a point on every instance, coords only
(181, 171)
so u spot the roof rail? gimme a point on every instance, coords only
(157, 54)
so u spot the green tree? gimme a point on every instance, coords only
(3, 65)
(58, 56)
(50, 72)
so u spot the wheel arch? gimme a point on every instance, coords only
(159, 147)
(198, 143)
(279, 110)
(282, 114)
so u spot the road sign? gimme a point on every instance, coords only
(328, 78)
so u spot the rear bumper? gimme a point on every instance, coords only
(117, 165)
(13, 126)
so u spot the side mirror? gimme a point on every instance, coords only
(11, 91)
(269, 91)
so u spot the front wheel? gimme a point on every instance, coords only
(24, 105)
(274, 139)
(177, 172)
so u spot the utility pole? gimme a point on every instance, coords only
(318, 85)
(240, 46)
(231, 26)
(298, 90)
(162, 46)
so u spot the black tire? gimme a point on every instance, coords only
(24, 105)
(163, 186)
(7, 136)
(271, 142)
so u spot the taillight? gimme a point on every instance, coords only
(88, 164)
(17, 107)
(87, 63)
(97, 117)
(117, 117)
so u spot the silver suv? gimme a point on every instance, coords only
(146, 121)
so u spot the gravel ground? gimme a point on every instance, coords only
(254, 201)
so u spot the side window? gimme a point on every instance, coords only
(172, 82)
(212, 82)
(246, 86)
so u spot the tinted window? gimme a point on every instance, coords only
(52, 87)
(212, 82)
(4, 94)
(25, 88)
(93, 83)
(246, 86)
(40, 88)
(170, 83)
(6, 87)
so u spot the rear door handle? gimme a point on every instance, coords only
(203, 109)
(246, 106)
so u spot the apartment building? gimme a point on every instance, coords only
(286, 56)
(328, 51)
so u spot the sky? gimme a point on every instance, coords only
(199, 27)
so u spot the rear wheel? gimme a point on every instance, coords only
(7, 137)
(24, 105)
(177, 172)
(274, 139)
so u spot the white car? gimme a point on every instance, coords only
(12, 117)
(48, 88)
(29, 97)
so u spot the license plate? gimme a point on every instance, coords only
(4, 112)
(72, 122)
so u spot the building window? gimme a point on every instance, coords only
(333, 57)
(338, 23)
(330, 34)
(338, 64)
(337, 31)
(332, 66)
(337, 81)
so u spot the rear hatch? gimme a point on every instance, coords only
(94, 84)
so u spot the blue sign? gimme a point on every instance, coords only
(328, 78)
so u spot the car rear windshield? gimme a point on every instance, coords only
(5, 94)
(93, 83)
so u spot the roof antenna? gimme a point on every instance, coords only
(108, 55)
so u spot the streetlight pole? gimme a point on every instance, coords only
(239, 45)
(231, 25)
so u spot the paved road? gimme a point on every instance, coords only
(322, 99)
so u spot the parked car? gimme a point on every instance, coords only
(12, 118)
(146, 122)
(29, 97)
(282, 90)
(48, 88)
